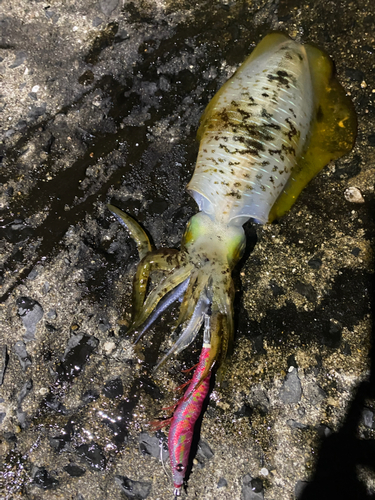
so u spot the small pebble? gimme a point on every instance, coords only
(306, 290)
(19, 59)
(33, 274)
(368, 418)
(25, 389)
(113, 389)
(153, 446)
(37, 111)
(74, 470)
(109, 347)
(92, 453)
(77, 352)
(22, 418)
(323, 431)
(3, 362)
(252, 489)
(30, 312)
(43, 479)
(353, 195)
(97, 21)
(315, 263)
(108, 6)
(299, 488)
(204, 450)
(291, 390)
(295, 425)
(19, 350)
(222, 483)
(89, 396)
(314, 393)
(133, 489)
(51, 314)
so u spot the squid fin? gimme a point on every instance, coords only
(333, 129)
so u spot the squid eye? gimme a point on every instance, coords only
(179, 467)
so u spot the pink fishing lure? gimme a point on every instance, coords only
(185, 416)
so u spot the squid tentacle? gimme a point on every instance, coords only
(137, 233)
(191, 298)
(169, 282)
(226, 308)
(164, 303)
(187, 303)
(165, 259)
(192, 328)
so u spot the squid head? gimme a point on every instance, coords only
(199, 275)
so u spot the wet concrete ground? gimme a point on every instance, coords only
(100, 103)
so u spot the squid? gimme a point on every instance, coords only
(266, 133)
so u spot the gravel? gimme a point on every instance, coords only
(100, 103)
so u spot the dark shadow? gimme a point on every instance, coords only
(336, 476)
(250, 229)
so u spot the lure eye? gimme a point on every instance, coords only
(179, 467)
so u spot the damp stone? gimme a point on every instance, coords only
(291, 390)
(133, 489)
(252, 489)
(30, 312)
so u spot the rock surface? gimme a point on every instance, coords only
(100, 103)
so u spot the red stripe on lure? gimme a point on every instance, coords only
(183, 421)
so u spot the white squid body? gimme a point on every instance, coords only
(265, 134)
(252, 133)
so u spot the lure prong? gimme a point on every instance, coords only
(177, 492)
(216, 321)
(207, 329)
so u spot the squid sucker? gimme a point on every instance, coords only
(267, 132)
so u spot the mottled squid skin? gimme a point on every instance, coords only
(185, 416)
(266, 133)
(251, 134)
